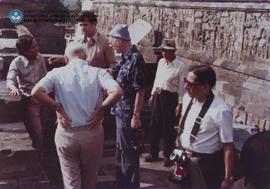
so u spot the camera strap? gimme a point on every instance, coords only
(197, 124)
(183, 119)
(198, 120)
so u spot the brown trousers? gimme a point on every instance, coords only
(33, 119)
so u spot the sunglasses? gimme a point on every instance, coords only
(191, 83)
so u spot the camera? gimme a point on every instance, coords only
(180, 174)
(179, 156)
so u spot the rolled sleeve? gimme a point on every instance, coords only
(138, 76)
(156, 78)
(47, 82)
(224, 119)
(12, 75)
(106, 81)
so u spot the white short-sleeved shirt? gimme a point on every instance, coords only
(216, 127)
(78, 87)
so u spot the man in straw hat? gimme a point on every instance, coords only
(167, 89)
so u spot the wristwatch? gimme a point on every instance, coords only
(229, 179)
(58, 106)
(136, 114)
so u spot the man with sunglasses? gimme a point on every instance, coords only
(167, 90)
(206, 130)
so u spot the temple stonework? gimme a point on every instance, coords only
(233, 37)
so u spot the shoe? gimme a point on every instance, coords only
(167, 162)
(150, 158)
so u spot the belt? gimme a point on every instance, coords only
(198, 154)
(25, 97)
(162, 91)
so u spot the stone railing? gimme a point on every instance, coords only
(232, 37)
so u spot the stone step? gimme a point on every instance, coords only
(17, 156)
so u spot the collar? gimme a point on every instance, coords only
(26, 61)
(127, 54)
(95, 37)
(76, 60)
(172, 63)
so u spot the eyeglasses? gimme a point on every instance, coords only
(191, 83)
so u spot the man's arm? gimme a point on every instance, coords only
(228, 161)
(40, 93)
(12, 83)
(136, 121)
(150, 101)
(113, 96)
(57, 61)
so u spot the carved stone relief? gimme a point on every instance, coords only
(212, 32)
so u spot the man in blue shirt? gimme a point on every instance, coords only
(129, 75)
(79, 105)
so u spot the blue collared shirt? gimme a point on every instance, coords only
(78, 87)
(130, 76)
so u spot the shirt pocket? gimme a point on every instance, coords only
(25, 72)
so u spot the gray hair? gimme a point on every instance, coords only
(74, 49)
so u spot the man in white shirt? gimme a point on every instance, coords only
(79, 105)
(167, 90)
(211, 144)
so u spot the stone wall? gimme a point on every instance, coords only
(232, 37)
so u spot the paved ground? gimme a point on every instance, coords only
(153, 175)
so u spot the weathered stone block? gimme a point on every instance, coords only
(241, 117)
(262, 124)
(8, 33)
(38, 28)
(52, 45)
(252, 119)
(230, 100)
(17, 157)
(8, 184)
(267, 125)
(35, 182)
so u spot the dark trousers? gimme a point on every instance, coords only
(162, 122)
(33, 118)
(127, 156)
(212, 168)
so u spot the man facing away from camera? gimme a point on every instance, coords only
(79, 105)
(206, 129)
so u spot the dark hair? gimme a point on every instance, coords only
(24, 43)
(255, 159)
(205, 74)
(89, 16)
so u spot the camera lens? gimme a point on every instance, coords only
(176, 154)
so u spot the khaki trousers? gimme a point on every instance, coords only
(80, 152)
